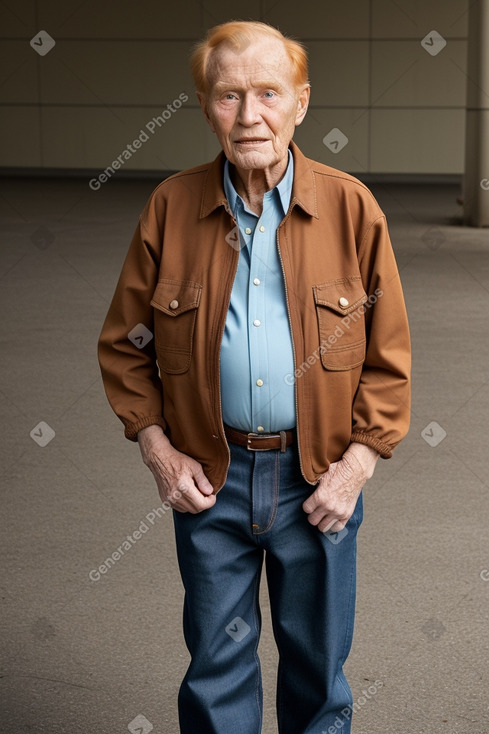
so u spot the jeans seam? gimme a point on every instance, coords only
(352, 594)
(255, 652)
(275, 495)
(279, 703)
(349, 630)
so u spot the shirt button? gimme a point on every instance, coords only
(256, 322)
(256, 281)
(174, 304)
(248, 230)
(262, 228)
(344, 302)
(260, 428)
(259, 383)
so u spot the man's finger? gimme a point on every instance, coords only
(199, 502)
(191, 499)
(202, 482)
(318, 515)
(314, 500)
(311, 503)
(309, 506)
(331, 525)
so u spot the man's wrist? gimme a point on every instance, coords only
(152, 431)
(365, 455)
(153, 443)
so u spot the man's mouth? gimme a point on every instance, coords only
(250, 141)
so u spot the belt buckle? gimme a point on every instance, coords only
(281, 435)
(256, 435)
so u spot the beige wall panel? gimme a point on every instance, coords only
(116, 19)
(417, 141)
(18, 19)
(324, 19)
(19, 141)
(18, 72)
(114, 73)
(143, 19)
(210, 145)
(93, 138)
(221, 11)
(339, 72)
(318, 124)
(416, 18)
(405, 75)
(102, 90)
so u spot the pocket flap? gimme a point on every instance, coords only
(343, 295)
(174, 297)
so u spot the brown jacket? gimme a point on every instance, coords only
(347, 316)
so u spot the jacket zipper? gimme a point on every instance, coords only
(219, 342)
(293, 349)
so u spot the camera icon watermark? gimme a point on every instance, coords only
(140, 725)
(433, 43)
(42, 43)
(485, 184)
(140, 336)
(42, 238)
(337, 537)
(433, 629)
(238, 629)
(42, 434)
(433, 238)
(433, 434)
(240, 42)
(233, 239)
(335, 140)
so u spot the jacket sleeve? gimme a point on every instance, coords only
(126, 351)
(381, 408)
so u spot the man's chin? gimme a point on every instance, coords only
(253, 159)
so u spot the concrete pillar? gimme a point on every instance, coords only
(476, 182)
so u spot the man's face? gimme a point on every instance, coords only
(252, 104)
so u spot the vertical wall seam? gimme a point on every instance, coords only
(370, 72)
(39, 93)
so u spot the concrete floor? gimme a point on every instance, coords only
(82, 655)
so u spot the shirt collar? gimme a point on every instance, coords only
(284, 187)
(303, 191)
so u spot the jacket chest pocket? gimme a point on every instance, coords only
(341, 322)
(175, 303)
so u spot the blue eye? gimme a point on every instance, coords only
(269, 94)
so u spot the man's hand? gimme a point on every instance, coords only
(180, 479)
(333, 502)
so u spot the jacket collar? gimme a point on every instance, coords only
(303, 189)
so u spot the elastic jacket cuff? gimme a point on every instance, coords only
(366, 438)
(131, 429)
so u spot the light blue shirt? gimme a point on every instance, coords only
(256, 350)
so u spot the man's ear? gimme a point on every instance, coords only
(203, 105)
(302, 103)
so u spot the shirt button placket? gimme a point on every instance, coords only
(256, 305)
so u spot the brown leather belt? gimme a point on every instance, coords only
(260, 441)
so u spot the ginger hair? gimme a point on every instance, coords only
(238, 34)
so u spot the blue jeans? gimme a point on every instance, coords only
(311, 584)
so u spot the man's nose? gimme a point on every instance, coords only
(249, 112)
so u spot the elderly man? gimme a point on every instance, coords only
(278, 374)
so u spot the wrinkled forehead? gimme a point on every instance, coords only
(263, 59)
